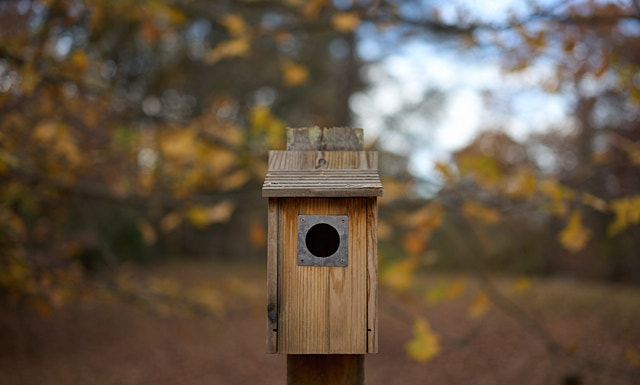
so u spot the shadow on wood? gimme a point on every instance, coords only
(325, 369)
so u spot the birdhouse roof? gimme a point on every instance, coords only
(322, 174)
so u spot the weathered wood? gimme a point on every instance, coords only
(333, 139)
(324, 308)
(372, 275)
(326, 183)
(272, 276)
(329, 310)
(323, 160)
(335, 369)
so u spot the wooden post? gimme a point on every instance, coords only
(325, 369)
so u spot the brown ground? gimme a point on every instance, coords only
(96, 343)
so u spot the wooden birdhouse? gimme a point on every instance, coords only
(322, 244)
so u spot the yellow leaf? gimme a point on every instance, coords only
(80, 60)
(522, 285)
(428, 217)
(632, 356)
(595, 202)
(456, 288)
(443, 291)
(46, 131)
(293, 74)
(346, 21)
(235, 24)
(425, 343)
(311, 8)
(170, 221)
(202, 216)
(148, 232)
(483, 169)
(477, 211)
(558, 194)
(235, 180)
(479, 306)
(263, 121)
(238, 47)
(435, 294)
(399, 275)
(522, 184)
(30, 78)
(575, 236)
(446, 171)
(627, 212)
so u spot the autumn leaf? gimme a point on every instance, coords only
(574, 236)
(522, 184)
(203, 216)
(443, 291)
(446, 171)
(479, 306)
(595, 202)
(399, 275)
(632, 356)
(30, 79)
(346, 22)
(238, 47)
(522, 284)
(415, 242)
(425, 343)
(170, 221)
(264, 122)
(80, 61)
(311, 8)
(293, 74)
(235, 24)
(627, 212)
(148, 232)
(427, 218)
(475, 211)
(257, 234)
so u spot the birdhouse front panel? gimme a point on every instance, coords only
(323, 308)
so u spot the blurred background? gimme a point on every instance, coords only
(133, 145)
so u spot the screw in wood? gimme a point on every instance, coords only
(322, 161)
(342, 261)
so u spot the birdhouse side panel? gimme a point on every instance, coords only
(272, 274)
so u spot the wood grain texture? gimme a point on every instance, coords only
(322, 174)
(333, 160)
(323, 309)
(336, 369)
(272, 276)
(372, 275)
(328, 183)
(333, 138)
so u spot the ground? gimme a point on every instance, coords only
(105, 343)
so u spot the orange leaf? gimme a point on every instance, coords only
(346, 21)
(294, 74)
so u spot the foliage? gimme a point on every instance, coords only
(124, 122)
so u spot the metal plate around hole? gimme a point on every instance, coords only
(340, 257)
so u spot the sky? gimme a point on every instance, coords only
(478, 95)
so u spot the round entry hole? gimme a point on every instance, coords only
(322, 240)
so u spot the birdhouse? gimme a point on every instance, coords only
(322, 248)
